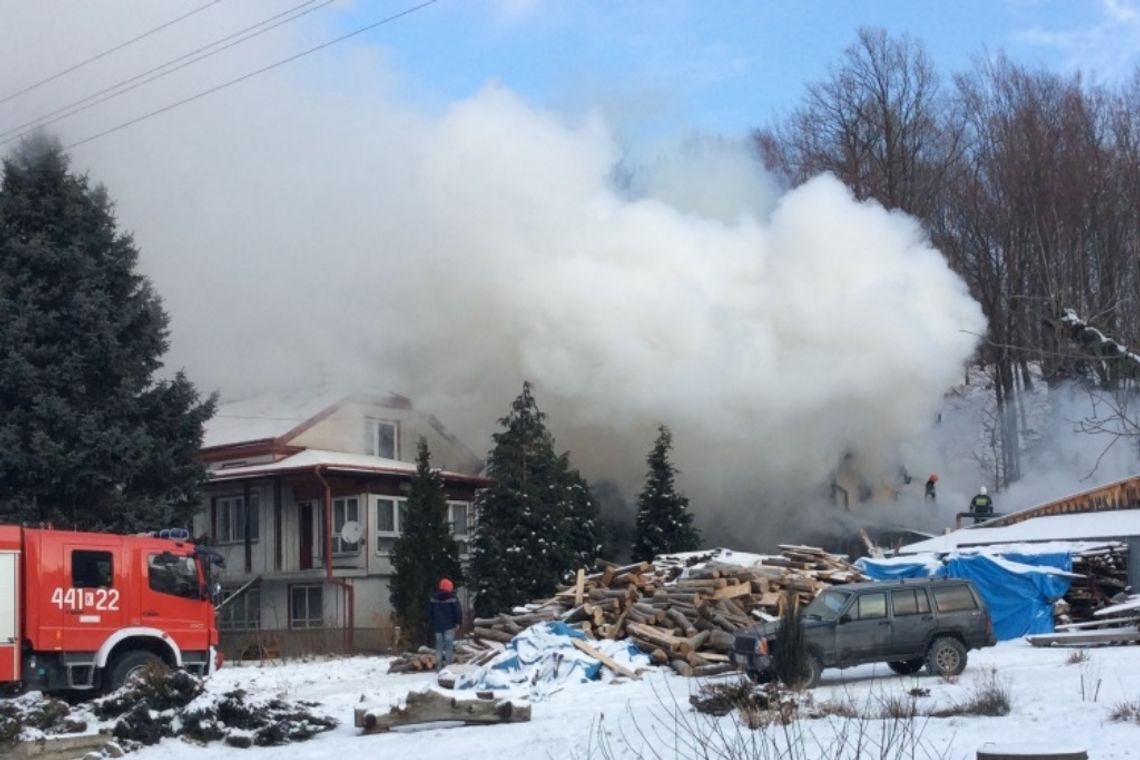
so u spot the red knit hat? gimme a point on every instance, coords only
(446, 585)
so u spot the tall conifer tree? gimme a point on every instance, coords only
(88, 437)
(536, 521)
(664, 523)
(425, 552)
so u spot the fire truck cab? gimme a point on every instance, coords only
(84, 611)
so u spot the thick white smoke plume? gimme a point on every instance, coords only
(305, 229)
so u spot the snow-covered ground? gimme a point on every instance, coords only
(1046, 694)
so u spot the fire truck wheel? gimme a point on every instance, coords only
(127, 665)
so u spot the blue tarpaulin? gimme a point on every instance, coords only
(1019, 589)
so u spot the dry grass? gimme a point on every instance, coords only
(1125, 712)
(990, 697)
(1076, 657)
(898, 707)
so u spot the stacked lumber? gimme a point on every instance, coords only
(1104, 571)
(683, 610)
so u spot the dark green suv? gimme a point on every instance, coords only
(906, 624)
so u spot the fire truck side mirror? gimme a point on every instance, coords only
(212, 592)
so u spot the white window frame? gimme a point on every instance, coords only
(399, 509)
(462, 539)
(229, 525)
(342, 507)
(374, 427)
(307, 621)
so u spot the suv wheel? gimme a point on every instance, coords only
(907, 667)
(946, 657)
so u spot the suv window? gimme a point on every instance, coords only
(910, 602)
(954, 599)
(871, 606)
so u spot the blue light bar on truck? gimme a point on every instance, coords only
(178, 534)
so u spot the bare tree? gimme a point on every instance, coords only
(879, 122)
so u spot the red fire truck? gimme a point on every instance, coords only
(84, 611)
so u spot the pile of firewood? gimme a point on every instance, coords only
(1104, 571)
(682, 619)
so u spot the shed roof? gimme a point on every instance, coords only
(1121, 523)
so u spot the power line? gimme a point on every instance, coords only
(71, 110)
(262, 70)
(107, 52)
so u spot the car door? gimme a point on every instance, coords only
(864, 629)
(911, 620)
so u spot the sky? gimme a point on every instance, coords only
(430, 208)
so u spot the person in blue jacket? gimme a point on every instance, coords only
(446, 616)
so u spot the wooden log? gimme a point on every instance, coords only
(713, 669)
(580, 587)
(737, 589)
(682, 667)
(604, 659)
(682, 622)
(698, 640)
(492, 634)
(430, 706)
(655, 635)
(720, 641)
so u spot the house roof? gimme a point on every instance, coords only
(333, 461)
(276, 416)
(1119, 523)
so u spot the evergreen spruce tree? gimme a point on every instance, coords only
(88, 437)
(584, 531)
(664, 523)
(524, 545)
(424, 553)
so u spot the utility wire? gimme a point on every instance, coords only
(71, 109)
(107, 52)
(262, 70)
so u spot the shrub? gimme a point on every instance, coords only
(1125, 712)
(1076, 657)
(790, 658)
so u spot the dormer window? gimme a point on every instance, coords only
(385, 441)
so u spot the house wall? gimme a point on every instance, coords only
(275, 555)
(349, 429)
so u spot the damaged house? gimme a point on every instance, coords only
(305, 499)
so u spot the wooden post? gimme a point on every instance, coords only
(580, 587)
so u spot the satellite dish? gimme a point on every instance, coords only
(351, 533)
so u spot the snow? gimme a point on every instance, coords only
(1130, 604)
(1074, 527)
(310, 458)
(1047, 709)
(266, 416)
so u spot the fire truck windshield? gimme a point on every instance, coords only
(174, 574)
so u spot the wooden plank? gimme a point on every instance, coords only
(1086, 638)
(580, 587)
(728, 592)
(605, 659)
(1133, 603)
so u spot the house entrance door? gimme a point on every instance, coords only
(306, 520)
